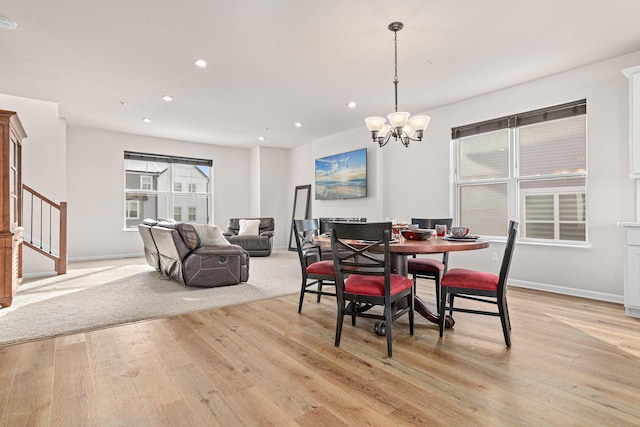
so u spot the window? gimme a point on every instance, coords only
(133, 209)
(154, 183)
(146, 182)
(531, 166)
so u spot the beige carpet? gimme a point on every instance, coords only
(97, 294)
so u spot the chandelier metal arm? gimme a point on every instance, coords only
(404, 139)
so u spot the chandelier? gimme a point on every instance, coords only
(400, 127)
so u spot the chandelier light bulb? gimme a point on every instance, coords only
(398, 119)
(420, 122)
(374, 124)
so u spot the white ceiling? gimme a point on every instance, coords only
(275, 62)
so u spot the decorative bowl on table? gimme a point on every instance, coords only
(417, 234)
(459, 231)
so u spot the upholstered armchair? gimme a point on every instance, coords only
(255, 235)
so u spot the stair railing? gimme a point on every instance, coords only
(45, 227)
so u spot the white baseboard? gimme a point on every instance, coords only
(38, 275)
(101, 257)
(600, 296)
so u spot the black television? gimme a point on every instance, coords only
(342, 176)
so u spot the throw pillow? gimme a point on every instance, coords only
(249, 227)
(210, 235)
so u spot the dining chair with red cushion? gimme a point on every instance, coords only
(429, 268)
(362, 262)
(480, 286)
(316, 271)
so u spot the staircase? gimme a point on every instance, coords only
(45, 227)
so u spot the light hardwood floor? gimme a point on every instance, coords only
(574, 362)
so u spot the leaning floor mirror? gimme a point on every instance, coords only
(301, 209)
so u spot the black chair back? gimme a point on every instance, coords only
(430, 223)
(348, 258)
(304, 230)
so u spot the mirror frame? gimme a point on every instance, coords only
(299, 194)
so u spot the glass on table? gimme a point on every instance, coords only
(441, 230)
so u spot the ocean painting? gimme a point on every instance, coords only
(342, 176)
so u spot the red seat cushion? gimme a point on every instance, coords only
(374, 285)
(321, 267)
(470, 279)
(425, 265)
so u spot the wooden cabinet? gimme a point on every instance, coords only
(11, 135)
(632, 271)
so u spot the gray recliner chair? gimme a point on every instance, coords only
(257, 245)
(182, 257)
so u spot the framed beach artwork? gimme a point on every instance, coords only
(342, 176)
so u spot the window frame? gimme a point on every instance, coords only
(146, 180)
(128, 210)
(514, 192)
(558, 191)
(169, 197)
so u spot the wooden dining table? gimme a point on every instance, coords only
(404, 248)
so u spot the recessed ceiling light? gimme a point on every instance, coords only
(298, 124)
(200, 63)
(352, 104)
(168, 98)
(7, 23)
(146, 120)
(261, 138)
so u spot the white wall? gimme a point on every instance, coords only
(96, 182)
(254, 187)
(274, 192)
(416, 181)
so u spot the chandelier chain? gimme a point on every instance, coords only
(395, 75)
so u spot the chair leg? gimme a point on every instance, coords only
(302, 292)
(437, 280)
(339, 322)
(411, 308)
(451, 298)
(388, 321)
(353, 304)
(506, 309)
(502, 309)
(319, 290)
(443, 311)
